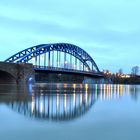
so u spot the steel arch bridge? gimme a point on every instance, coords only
(58, 57)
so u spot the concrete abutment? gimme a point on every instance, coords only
(20, 73)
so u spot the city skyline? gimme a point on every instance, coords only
(108, 30)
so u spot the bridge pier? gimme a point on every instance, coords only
(19, 73)
(93, 80)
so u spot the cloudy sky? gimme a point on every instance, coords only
(109, 30)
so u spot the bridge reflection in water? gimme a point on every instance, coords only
(63, 102)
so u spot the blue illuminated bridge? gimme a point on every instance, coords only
(57, 58)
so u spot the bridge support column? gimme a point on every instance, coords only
(21, 73)
(92, 67)
(49, 59)
(36, 60)
(39, 60)
(83, 67)
(57, 59)
(65, 60)
(52, 58)
(25, 73)
(44, 59)
(70, 61)
(75, 63)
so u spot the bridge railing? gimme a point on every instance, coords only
(36, 67)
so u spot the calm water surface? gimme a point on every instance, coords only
(69, 112)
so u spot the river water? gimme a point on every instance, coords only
(69, 112)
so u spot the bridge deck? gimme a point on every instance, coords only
(66, 70)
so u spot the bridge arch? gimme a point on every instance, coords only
(6, 77)
(73, 50)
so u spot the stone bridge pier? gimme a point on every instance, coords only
(16, 73)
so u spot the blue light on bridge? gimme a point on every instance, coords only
(30, 79)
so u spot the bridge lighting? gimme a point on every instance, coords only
(66, 62)
(30, 79)
(87, 69)
(74, 66)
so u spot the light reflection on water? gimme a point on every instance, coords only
(61, 101)
(76, 104)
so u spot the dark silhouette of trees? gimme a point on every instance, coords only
(120, 71)
(135, 70)
(121, 78)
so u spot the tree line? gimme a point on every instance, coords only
(121, 78)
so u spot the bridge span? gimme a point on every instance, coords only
(58, 59)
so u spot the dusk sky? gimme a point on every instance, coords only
(109, 30)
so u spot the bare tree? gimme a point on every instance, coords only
(120, 71)
(135, 70)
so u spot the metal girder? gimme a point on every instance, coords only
(19, 55)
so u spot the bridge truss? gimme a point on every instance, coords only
(58, 55)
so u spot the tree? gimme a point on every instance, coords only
(135, 70)
(120, 71)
